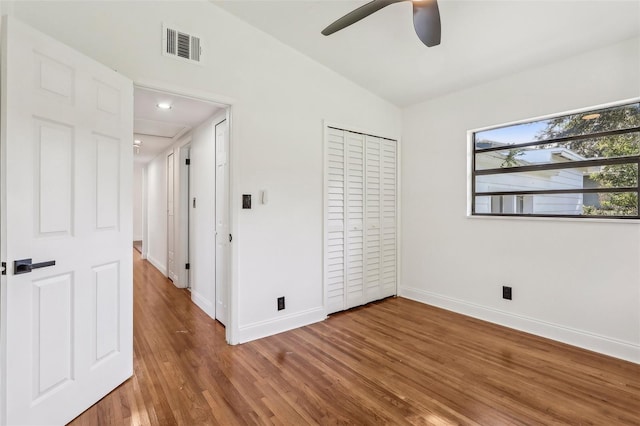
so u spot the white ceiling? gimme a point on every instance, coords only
(157, 128)
(481, 39)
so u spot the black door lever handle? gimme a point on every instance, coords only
(24, 266)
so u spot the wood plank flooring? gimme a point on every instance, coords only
(392, 362)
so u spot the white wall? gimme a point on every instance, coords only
(138, 171)
(154, 205)
(280, 98)
(577, 281)
(156, 189)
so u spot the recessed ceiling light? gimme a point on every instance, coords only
(164, 105)
(591, 116)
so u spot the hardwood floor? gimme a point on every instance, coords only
(392, 362)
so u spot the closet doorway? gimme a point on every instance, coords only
(360, 254)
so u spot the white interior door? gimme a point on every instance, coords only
(66, 160)
(171, 232)
(222, 220)
(184, 219)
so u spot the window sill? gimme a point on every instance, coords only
(633, 221)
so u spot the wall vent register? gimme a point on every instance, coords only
(181, 45)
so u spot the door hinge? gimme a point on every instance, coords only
(4, 268)
(230, 237)
(187, 266)
(187, 161)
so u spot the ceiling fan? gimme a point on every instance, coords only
(426, 18)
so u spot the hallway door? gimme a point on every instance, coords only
(223, 235)
(171, 224)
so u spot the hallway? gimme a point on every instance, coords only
(390, 362)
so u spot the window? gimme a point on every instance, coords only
(577, 165)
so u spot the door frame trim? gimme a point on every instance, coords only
(232, 329)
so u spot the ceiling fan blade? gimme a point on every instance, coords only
(358, 14)
(426, 21)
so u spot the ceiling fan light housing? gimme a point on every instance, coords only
(426, 18)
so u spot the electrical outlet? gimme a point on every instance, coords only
(506, 292)
(280, 303)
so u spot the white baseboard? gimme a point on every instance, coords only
(591, 341)
(177, 283)
(158, 265)
(203, 303)
(283, 323)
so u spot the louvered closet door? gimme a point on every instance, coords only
(360, 233)
(355, 219)
(335, 220)
(388, 167)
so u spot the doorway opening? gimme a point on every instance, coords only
(182, 151)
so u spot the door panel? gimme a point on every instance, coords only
(52, 321)
(105, 331)
(107, 185)
(66, 330)
(54, 185)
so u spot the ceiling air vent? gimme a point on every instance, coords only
(181, 45)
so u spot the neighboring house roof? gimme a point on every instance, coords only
(550, 155)
(525, 157)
